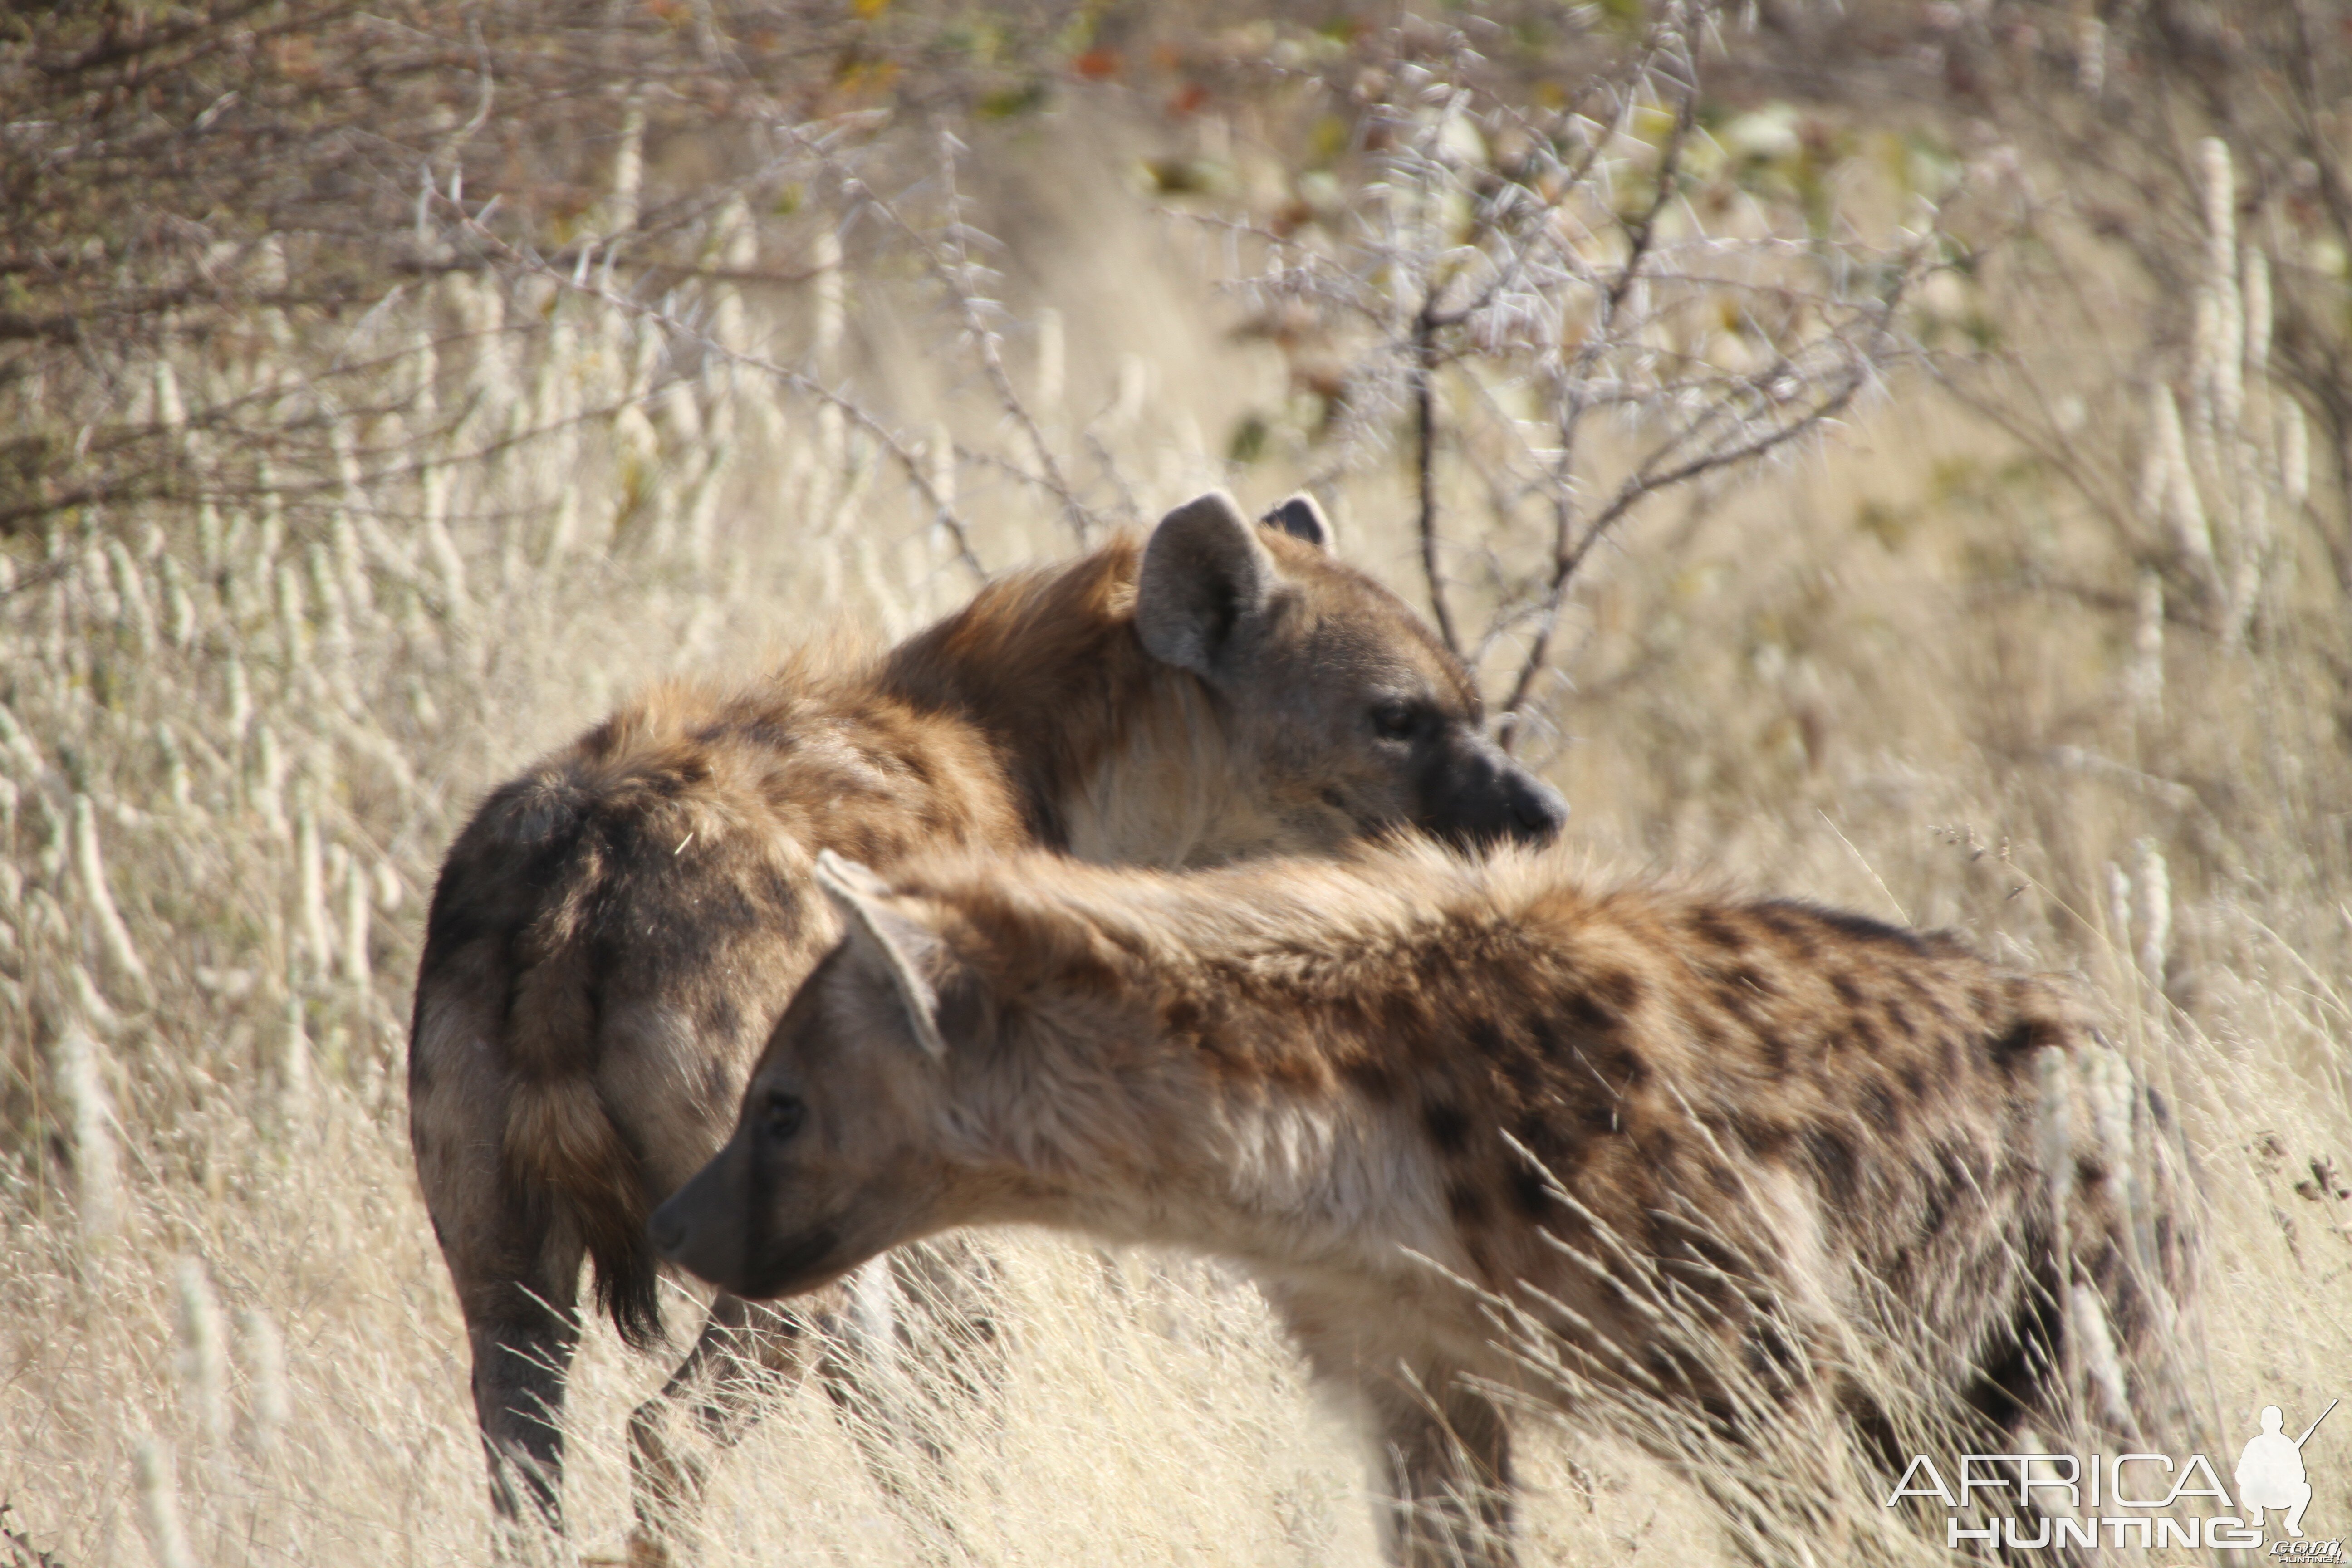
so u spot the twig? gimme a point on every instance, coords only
(582, 280)
(952, 266)
(1424, 429)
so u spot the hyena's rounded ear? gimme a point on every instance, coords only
(1205, 573)
(885, 941)
(839, 871)
(1300, 518)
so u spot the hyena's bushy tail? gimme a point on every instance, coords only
(561, 1139)
(519, 915)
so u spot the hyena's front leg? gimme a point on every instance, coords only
(906, 1349)
(749, 1352)
(916, 1364)
(1449, 1457)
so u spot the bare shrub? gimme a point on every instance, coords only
(1561, 314)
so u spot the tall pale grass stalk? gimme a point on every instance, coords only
(628, 169)
(269, 1405)
(311, 894)
(269, 784)
(355, 964)
(157, 1487)
(294, 1067)
(2256, 288)
(2220, 373)
(831, 292)
(2155, 911)
(2145, 681)
(90, 867)
(2294, 452)
(204, 1349)
(2119, 910)
(89, 1109)
(2168, 489)
(2087, 1320)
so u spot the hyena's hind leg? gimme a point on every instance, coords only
(524, 1333)
(515, 1269)
(1449, 1464)
(749, 1352)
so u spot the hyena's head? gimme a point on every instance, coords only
(837, 1153)
(1344, 714)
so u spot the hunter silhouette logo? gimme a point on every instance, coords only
(2062, 1501)
(2270, 1470)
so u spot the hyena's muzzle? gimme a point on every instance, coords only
(1474, 793)
(714, 1227)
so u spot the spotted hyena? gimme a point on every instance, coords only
(617, 930)
(1810, 1129)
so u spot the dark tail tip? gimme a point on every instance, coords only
(628, 1286)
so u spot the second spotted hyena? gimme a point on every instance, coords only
(617, 930)
(1814, 1130)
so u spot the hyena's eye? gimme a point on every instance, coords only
(781, 1116)
(1396, 719)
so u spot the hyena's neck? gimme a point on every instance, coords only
(1147, 1116)
(1116, 755)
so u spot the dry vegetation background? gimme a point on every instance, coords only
(1894, 456)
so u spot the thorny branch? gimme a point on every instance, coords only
(1569, 550)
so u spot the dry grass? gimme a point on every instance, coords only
(233, 752)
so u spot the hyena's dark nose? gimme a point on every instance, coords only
(1491, 799)
(1539, 810)
(667, 1230)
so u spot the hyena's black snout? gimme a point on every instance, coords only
(1480, 797)
(700, 1228)
(668, 1230)
(1538, 810)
